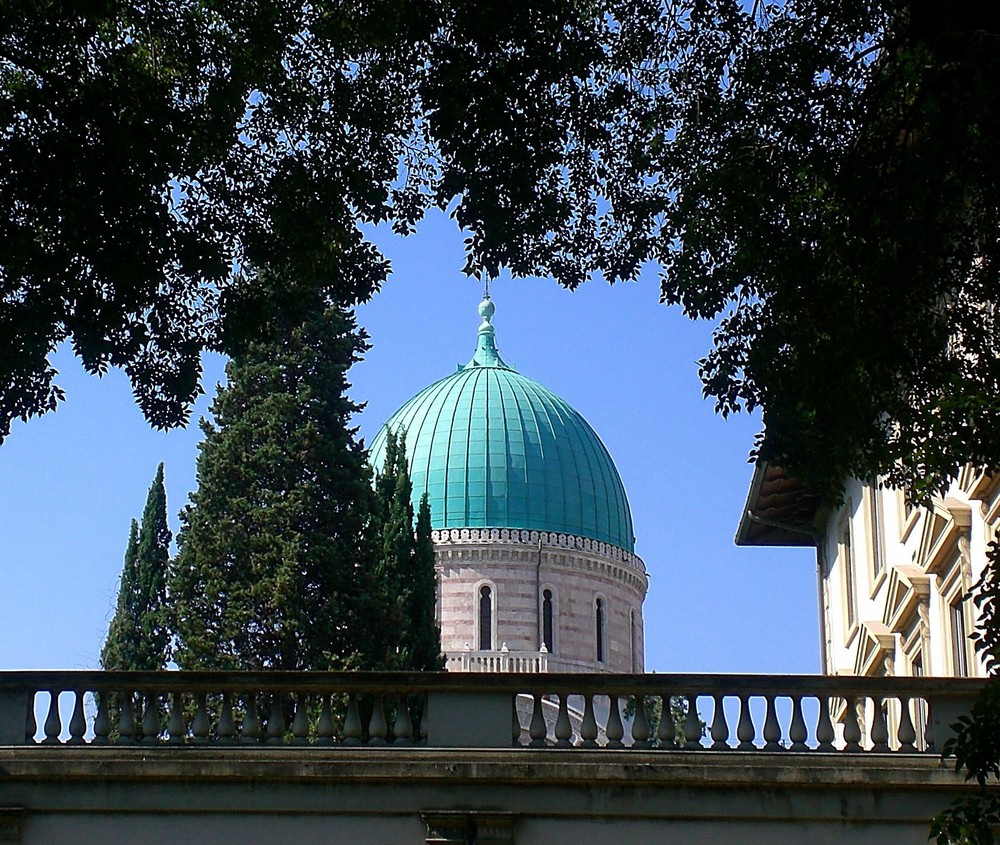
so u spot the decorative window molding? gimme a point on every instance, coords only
(875, 518)
(845, 558)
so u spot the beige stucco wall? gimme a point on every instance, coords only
(518, 566)
(931, 557)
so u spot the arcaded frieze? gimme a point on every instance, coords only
(559, 550)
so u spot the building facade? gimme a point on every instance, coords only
(533, 532)
(894, 579)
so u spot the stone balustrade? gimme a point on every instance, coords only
(513, 661)
(503, 660)
(740, 713)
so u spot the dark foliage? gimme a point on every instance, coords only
(833, 198)
(155, 155)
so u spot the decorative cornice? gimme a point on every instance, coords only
(524, 536)
(563, 551)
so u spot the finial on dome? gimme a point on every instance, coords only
(487, 354)
(486, 310)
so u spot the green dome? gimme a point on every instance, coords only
(494, 449)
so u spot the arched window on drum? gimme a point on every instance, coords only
(548, 624)
(485, 638)
(600, 622)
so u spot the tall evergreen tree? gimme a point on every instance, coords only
(424, 635)
(138, 636)
(405, 583)
(273, 562)
(393, 526)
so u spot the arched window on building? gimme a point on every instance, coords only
(599, 618)
(547, 633)
(485, 618)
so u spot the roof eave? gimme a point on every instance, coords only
(780, 510)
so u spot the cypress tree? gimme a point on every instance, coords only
(394, 543)
(273, 563)
(405, 580)
(424, 635)
(138, 636)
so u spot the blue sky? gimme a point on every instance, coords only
(71, 481)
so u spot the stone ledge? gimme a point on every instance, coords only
(570, 767)
(261, 787)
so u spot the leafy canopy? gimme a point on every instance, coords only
(156, 155)
(831, 194)
(819, 177)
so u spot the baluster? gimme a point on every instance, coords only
(797, 730)
(852, 730)
(377, 728)
(537, 729)
(880, 730)
(666, 731)
(251, 721)
(352, 722)
(402, 729)
(640, 724)
(300, 724)
(515, 723)
(588, 729)
(126, 718)
(102, 722)
(227, 724)
(692, 726)
(30, 723)
(772, 729)
(276, 721)
(53, 724)
(745, 731)
(151, 719)
(614, 730)
(77, 722)
(924, 725)
(906, 734)
(201, 727)
(564, 729)
(425, 704)
(53, 721)
(176, 729)
(720, 727)
(824, 726)
(325, 728)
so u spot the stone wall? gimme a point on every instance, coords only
(168, 796)
(518, 566)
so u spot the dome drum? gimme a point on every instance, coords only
(518, 575)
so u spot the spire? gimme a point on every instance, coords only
(487, 354)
